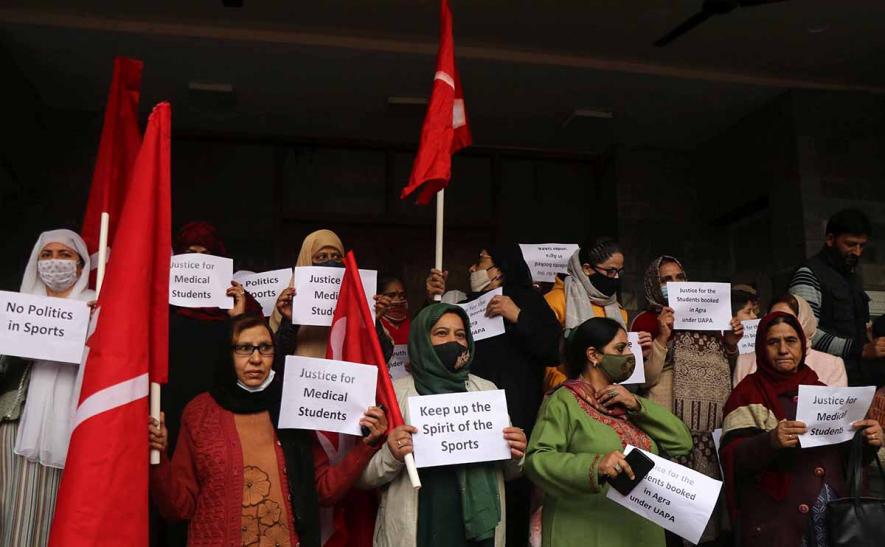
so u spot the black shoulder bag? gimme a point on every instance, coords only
(856, 521)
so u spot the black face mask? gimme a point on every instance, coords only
(605, 284)
(452, 354)
(330, 264)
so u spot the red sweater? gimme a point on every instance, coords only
(203, 482)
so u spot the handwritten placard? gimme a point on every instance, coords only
(326, 395)
(545, 260)
(458, 428)
(672, 496)
(265, 287)
(829, 411)
(638, 376)
(199, 280)
(700, 306)
(316, 293)
(747, 343)
(483, 327)
(398, 361)
(42, 327)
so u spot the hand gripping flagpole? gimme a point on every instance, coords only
(438, 262)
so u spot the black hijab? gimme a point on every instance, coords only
(297, 444)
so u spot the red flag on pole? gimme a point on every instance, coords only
(445, 129)
(103, 497)
(120, 140)
(353, 336)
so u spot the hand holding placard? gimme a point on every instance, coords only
(199, 280)
(828, 412)
(43, 327)
(482, 326)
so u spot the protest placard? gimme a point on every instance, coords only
(316, 293)
(829, 411)
(459, 427)
(199, 280)
(638, 375)
(672, 496)
(43, 327)
(747, 343)
(265, 287)
(397, 364)
(700, 306)
(326, 395)
(545, 260)
(483, 327)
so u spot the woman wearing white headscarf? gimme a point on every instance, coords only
(830, 369)
(38, 400)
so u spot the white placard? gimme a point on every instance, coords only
(265, 287)
(672, 496)
(483, 327)
(397, 364)
(326, 395)
(828, 412)
(545, 260)
(198, 280)
(458, 428)
(700, 306)
(43, 327)
(638, 376)
(316, 294)
(747, 343)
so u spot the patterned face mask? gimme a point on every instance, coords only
(57, 274)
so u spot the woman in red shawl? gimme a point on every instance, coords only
(777, 491)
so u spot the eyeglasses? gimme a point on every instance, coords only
(246, 350)
(672, 278)
(609, 272)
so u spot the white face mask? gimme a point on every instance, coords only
(479, 280)
(261, 387)
(57, 274)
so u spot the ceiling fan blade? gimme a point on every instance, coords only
(686, 26)
(753, 3)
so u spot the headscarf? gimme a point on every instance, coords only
(651, 282)
(580, 295)
(806, 317)
(297, 444)
(47, 417)
(481, 507)
(754, 408)
(509, 259)
(312, 336)
(31, 282)
(200, 233)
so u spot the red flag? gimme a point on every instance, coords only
(103, 497)
(445, 129)
(353, 336)
(120, 140)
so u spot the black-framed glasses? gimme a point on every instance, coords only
(609, 272)
(246, 350)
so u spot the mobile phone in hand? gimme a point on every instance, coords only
(641, 466)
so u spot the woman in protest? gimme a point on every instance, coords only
(515, 361)
(272, 496)
(830, 369)
(396, 315)
(457, 505)
(590, 290)
(777, 492)
(578, 441)
(689, 373)
(38, 399)
(351, 521)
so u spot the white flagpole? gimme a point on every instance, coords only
(440, 207)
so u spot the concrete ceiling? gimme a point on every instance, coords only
(326, 69)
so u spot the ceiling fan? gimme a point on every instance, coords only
(709, 9)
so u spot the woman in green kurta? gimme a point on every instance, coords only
(579, 439)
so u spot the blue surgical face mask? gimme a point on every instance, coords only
(664, 292)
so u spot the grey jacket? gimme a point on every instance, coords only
(397, 522)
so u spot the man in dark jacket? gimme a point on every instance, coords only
(828, 281)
